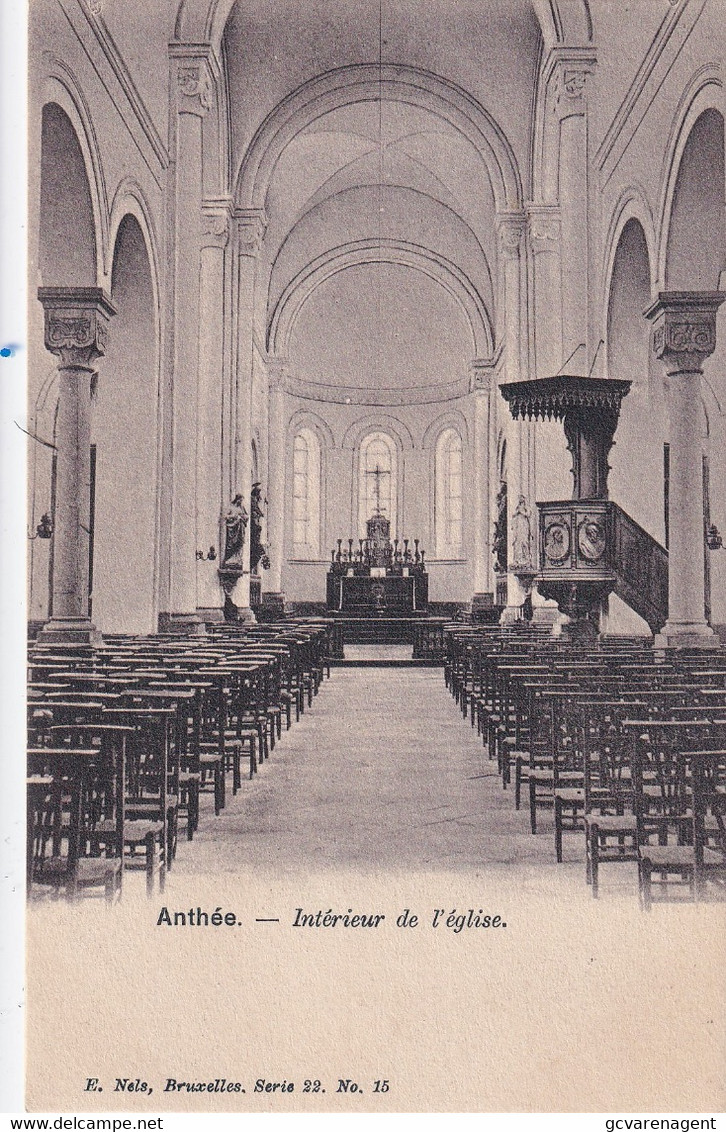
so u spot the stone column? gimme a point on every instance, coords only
(210, 496)
(276, 478)
(193, 87)
(482, 385)
(250, 225)
(511, 228)
(684, 335)
(570, 76)
(76, 322)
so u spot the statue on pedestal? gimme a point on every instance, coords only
(521, 535)
(235, 527)
(499, 540)
(258, 550)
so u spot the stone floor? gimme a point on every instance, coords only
(381, 774)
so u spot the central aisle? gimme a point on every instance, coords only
(382, 773)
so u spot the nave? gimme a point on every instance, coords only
(549, 760)
(380, 775)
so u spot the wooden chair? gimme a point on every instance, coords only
(145, 811)
(664, 805)
(72, 791)
(611, 834)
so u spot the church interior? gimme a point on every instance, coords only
(377, 394)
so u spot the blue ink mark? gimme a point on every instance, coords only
(9, 350)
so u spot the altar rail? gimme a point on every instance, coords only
(428, 640)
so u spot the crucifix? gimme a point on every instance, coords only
(378, 474)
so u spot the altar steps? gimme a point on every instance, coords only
(386, 663)
(378, 630)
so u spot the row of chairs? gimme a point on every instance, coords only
(624, 745)
(125, 738)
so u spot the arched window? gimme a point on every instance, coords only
(377, 480)
(448, 499)
(306, 494)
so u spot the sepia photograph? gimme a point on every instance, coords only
(376, 575)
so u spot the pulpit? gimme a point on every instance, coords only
(380, 578)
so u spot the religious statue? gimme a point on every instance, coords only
(521, 534)
(499, 540)
(235, 527)
(258, 550)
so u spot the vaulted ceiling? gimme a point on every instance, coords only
(405, 154)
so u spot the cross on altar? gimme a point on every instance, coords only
(378, 473)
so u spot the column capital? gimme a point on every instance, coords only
(510, 229)
(684, 328)
(482, 377)
(251, 224)
(76, 323)
(194, 85)
(215, 230)
(568, 71)
(543, 227)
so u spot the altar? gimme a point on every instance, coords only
(369, 595)
(379, 579)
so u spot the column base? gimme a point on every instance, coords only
(210, 615)
(69, 631)
(181, 623)
(483, 609)
(272, 607)
(245, 615)
(547, 615)
(684, 635)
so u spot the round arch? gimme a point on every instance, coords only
(405, 254)
(369, 83)
(377, 422)
(704, 92)
(129, 200)
(304, 418)
(632, 204)
(62, 88)
(564, 22)
(451, 419)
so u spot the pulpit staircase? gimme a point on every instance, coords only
(640, 566)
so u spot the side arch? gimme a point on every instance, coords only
(129, 199)
(704, 92)
(62, 88)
